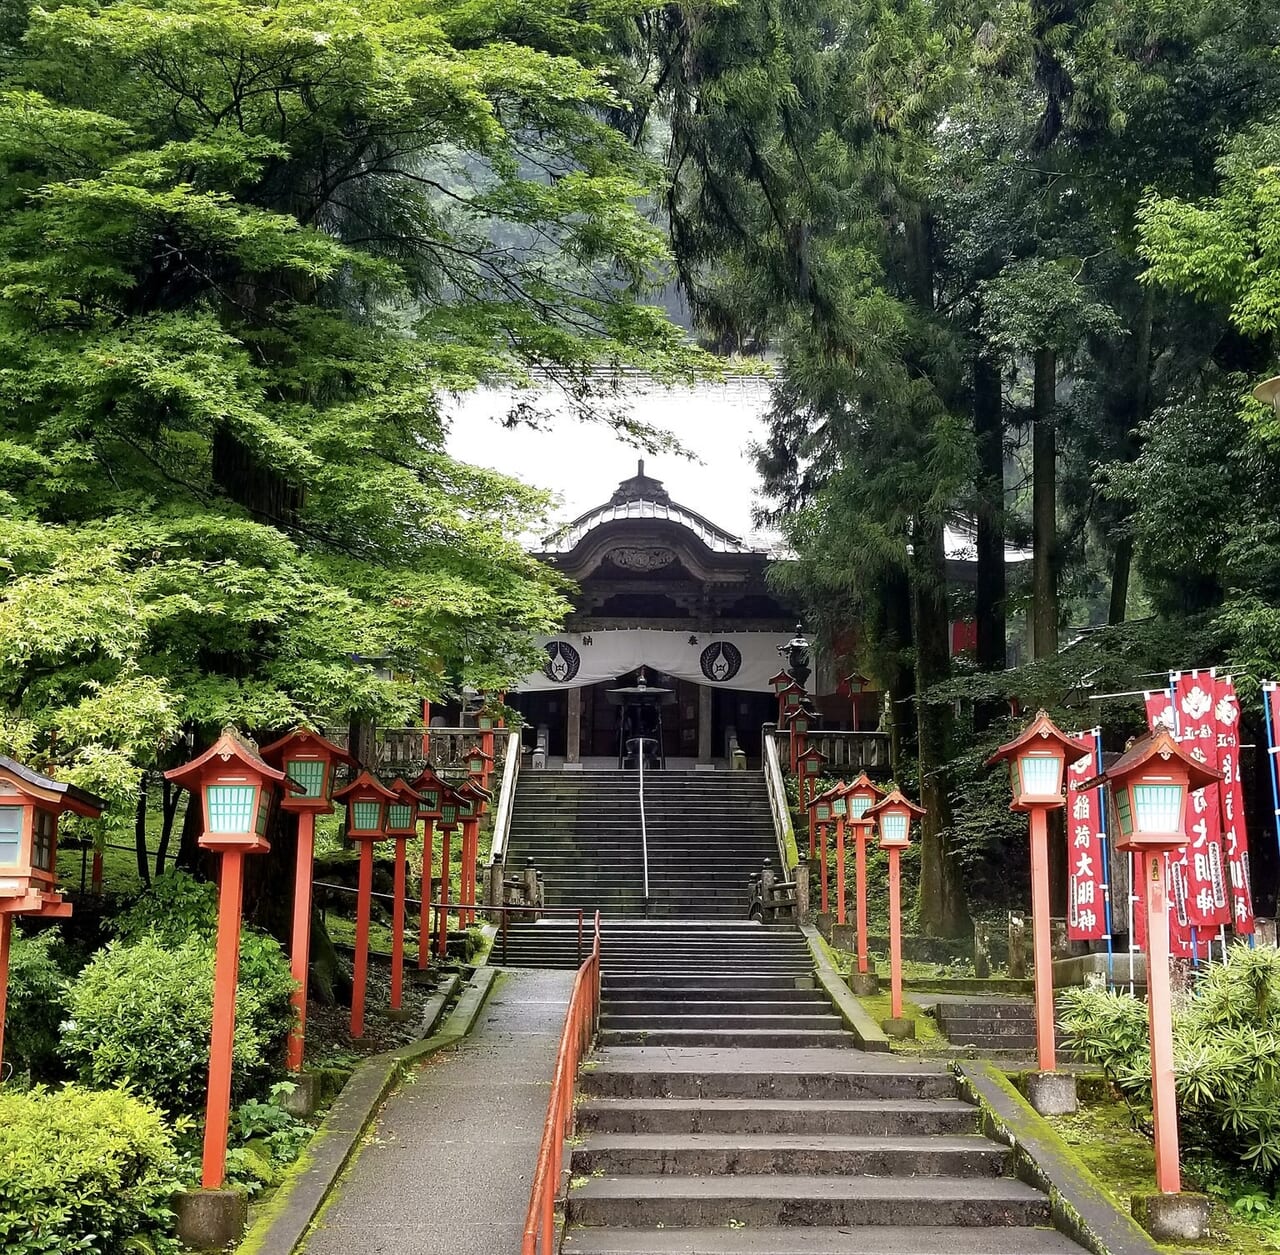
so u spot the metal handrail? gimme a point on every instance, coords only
(580, 1023)
(644, 828)
(779, 804)
(506, 799)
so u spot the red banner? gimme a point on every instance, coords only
(1086, 864)
(1160, 714)
(1231, 797)
(1206, 897)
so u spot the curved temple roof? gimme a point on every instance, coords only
(642, 497)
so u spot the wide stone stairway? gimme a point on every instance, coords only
(707, 833)
(725, 1113)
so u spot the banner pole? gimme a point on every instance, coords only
(1106, 857)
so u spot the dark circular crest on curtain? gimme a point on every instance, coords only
(721, 661)
(563, 662)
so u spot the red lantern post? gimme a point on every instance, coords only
(472, 800)
(30, 806)
(237, 790)
(366, 799)
(402, 824)
(311, 763)
(855, 685)
(449, 807)
(893, 815)
(856, 800)
(430, 790)
(779, 683)
(1149, 785)
(790, 700)
(820, 817)
(1037, 767)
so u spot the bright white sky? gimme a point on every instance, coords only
(584, 463)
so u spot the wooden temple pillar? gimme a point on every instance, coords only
(705, 696)
(573, 728)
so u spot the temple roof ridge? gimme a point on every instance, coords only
(643, 497)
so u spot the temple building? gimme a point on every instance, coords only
(666, 598)
(669, 602)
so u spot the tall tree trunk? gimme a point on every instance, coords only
(1122, 554)
(941, 907)
(1044, 508)
(140, 834)
(989, 592)
(1121, 562)
(896, 634)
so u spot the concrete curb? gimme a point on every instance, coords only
(869, 1034)
(1079, 1207)
(287, 1218)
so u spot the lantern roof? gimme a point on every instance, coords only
(42, 788)
(365, 782)
(812, 752)
(805, 709)
(477, 751)
(895, 799)
(1163, 749)
(864, 782)
(302, 736)
(1039, 732)
(781, 677)
(429, 778)
(229, 745)
(477, 791)
(856, 683)
(827, 795)
(405, 791)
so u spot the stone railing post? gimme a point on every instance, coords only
(802, 889)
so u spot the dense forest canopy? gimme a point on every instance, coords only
(1013, 263)
(246, 249)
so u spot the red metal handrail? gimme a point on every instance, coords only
(580, 1024)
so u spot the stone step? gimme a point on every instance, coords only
(727, 982)
(965, 1029)
(1005, 1010)
(633, 1201)
(867, 1117)
(764, 1002)
(642, 1074)
(799, 1154)
(865, 1240)
(722, 1021)
(772, 1038)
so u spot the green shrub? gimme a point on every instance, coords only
(141, 1015)
(36, 1006)
(1226, 1048)
(176, 907)
(82, 1171)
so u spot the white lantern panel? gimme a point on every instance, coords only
(1041, 775)
(893, 827)
(1158, 807)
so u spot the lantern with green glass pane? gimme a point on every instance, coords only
(366, 799)
(893, 815)
(1037, 763)
(811, 763)
(402, 814)
(860, 796)
(472, 799)
(1149, 785)
(449, 807)
(823, 806)
(30, 804)
(478, 761)
(430, 790)
(311, 763)
(238, 788)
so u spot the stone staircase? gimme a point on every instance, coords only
(746, 1125)
(708, 833)
(994, 1025)
(714, 948)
